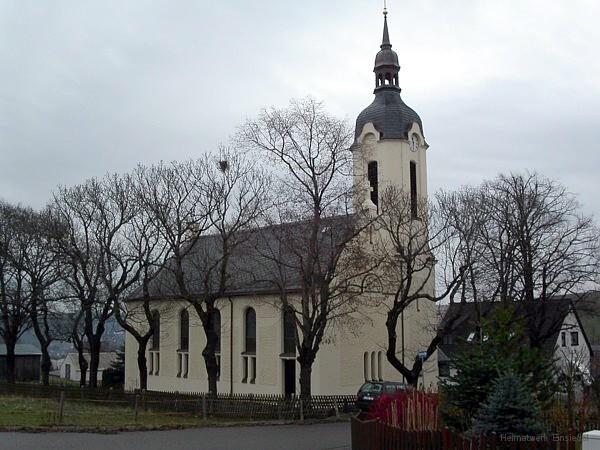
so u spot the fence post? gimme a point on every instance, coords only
(301, 409)
(337, 409)
(204, 416)
(135, 407)
(61, 407)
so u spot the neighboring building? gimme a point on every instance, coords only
(557, 321)
(255, 351)
(28, 362)
(69, 367)
(588, 309)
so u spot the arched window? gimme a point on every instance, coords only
(289, 331)
(250, 326)
(155, 330)
(374, 375)
(184, 330)
(380, 365)
(366, 366)
(216, 327)
(373, 181)
(413, 190)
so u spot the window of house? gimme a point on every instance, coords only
(249, 355)
(373, 182)
(366, 366)
(289, 331)
(380, 365)
(563, 338)
(444, 368)
(447, 339)
(413, 191)
(574, 338)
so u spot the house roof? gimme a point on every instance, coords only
(106, 358)
(588, 310)
(21, 349)
(262, 261)
(542, 318)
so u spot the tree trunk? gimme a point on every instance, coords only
(11, 367)
(305, 379)
(142, 364)
(46, 365)
(94, 361)
(83, 366)
(212, 369)
(410, 376)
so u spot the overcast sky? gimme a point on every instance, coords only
(89, 87)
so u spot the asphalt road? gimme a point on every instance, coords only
(332, 436)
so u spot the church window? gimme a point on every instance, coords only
(184, 330)
(413, 190)
(289, 331)
(366, 366)
(380, 365)
(216, 327)
(155, 330)
(184, 342)
(374, 375)
(154, 356)
(372, 175)
(249, 355)
(250, 331)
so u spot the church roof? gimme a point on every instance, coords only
(389, 115)
(264, 261)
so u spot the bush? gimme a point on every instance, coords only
(409, 410)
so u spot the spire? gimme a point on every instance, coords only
(386, 62)
(385, 42)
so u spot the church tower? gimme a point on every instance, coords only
(389, 143)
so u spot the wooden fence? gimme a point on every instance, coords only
(245, 406)
(375, 435)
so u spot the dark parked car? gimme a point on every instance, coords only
(371, 390)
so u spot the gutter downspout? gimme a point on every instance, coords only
(230, 345)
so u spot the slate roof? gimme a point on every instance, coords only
(389, 115)
(542, 317)
(21, 349)
(253, 266)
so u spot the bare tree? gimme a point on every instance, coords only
(409, 245)
(39, 262)
(94, 214)
(314, 226)
(142, 247)
(202, 210)
(14, 289)
(525, 239)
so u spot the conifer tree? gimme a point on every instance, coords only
(510, 409)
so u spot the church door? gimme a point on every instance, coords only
(289, 376)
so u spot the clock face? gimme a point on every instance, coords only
(414, 142)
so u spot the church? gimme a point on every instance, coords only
(254, 352)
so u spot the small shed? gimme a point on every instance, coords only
(28, 360)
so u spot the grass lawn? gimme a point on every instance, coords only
(30, 412)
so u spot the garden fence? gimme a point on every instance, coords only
(243, 406)
(375, 435)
